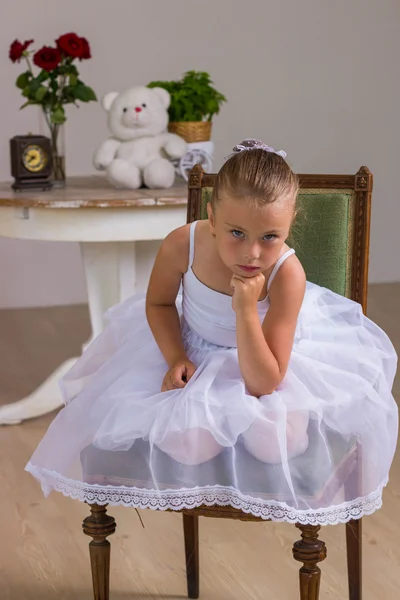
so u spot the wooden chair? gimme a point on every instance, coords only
(331, 237)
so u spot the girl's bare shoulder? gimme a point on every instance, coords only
(290, 280)
(175, 248)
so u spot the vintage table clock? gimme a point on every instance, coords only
(31, 163)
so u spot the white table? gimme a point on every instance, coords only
(107, 223)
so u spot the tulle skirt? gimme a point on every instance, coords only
(317, 450)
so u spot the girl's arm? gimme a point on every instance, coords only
(170, 264)
(264, 349)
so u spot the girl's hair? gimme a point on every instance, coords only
(257, 174)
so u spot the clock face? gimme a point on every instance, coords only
(34, 158)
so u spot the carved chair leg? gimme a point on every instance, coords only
(191, 532)
(354, 558)
(98, 526)
(310, 551)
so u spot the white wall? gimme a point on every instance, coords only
(318, 78)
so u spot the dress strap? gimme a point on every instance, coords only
(278, 265)
(192, 230)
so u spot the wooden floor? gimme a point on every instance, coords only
(44, 555)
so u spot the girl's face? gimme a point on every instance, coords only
(250, 237)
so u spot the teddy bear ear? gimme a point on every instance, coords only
(108, 99)
(163, 95)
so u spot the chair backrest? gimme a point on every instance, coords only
(331, 232)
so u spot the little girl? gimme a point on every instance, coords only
(246, 389)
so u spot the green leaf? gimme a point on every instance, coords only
(193, 97)
(26, 91)
(43, 75)
(40, 93)
(58, 116)
(66, 69)
(34, 85)
(73, 79)
(92, 94)
(23, 80)
(28, 103)
(83, 93)
(67, 95)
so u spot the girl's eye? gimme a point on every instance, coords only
(236, 233)
(270, 237)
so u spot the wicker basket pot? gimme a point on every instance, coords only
(192, 131)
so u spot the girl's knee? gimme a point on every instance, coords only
(263, 442)
(263, 445)
(191, 447)
(297, 444)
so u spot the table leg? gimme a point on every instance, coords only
(110, 270)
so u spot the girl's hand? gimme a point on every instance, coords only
(246, 291)
(178, 375)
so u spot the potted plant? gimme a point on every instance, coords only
(194, 102)
(56, 84)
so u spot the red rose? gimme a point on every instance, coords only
(47, 58)
(17, 49)
(71, 45)
(86, 49)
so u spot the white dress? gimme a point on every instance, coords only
(119, 439)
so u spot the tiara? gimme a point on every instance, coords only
(250, 144)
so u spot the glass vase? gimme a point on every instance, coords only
(56, 133)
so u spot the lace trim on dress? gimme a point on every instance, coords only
(169, 499)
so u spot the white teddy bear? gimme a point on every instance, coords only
(137, 152)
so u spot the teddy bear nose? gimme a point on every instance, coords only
(138, 109)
